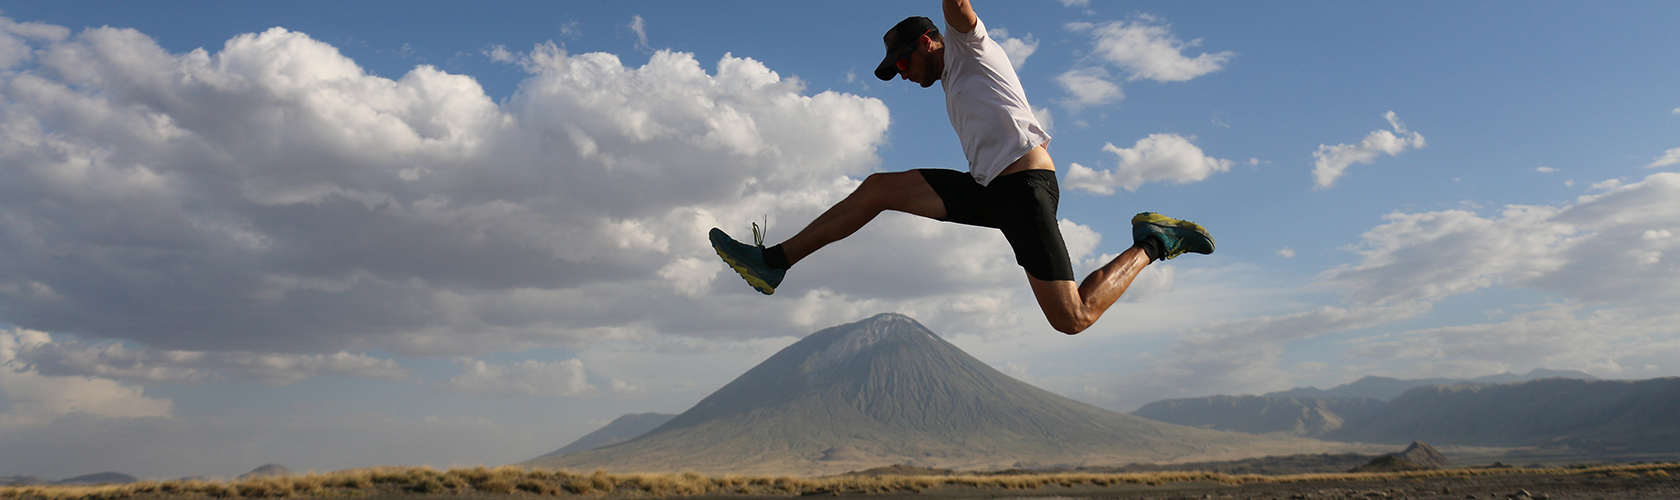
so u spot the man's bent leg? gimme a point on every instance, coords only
(1072, 309)
(905, 192)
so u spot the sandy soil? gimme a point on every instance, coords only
(1628, 487)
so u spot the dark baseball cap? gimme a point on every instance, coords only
(897, 39)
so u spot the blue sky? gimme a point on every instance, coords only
(421, 233)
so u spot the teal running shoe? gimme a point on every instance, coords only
(1176, 236)
(748, 260)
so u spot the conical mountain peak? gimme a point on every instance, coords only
(860, 338)
(887, 390)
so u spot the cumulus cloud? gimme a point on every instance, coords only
(1669, 157)
(1141, 49)
(1147, 50)
(1157, 158)
(272, 196)
(1018, 49)
(1331, 161)
(1088, 87)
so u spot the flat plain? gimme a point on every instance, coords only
(1606, 482)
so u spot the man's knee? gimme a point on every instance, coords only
(1068, 325)
(877, 189)
(1067, 320)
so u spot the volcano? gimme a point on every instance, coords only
(886, 390)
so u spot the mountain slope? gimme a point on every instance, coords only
(1309, 417)
(886, 390)
(1598, 415)
(622, 429)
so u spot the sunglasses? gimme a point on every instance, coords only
(904, 57)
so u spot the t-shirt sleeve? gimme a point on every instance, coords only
(974, 40)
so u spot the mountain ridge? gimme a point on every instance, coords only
(1591, 416)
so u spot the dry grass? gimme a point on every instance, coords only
(511, 481)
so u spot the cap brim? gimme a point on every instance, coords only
(888, 68)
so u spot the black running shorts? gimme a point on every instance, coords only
(1022, 205)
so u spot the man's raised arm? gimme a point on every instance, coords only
(960, 16)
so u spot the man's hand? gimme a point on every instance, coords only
(960, 16)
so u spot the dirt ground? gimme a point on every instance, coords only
(1516, 487)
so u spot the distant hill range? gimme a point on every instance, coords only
(1385, 388)
(1597, 416)
(97, 478)
(886, 390)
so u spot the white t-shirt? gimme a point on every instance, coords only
(988, 108)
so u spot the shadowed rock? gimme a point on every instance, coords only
(1425, 455)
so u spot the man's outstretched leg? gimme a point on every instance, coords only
(1071, 309)
(763, 268)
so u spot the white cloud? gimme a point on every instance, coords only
(1583, 251)
(1157, 158)
(1018, 49)
(1332, 161)
(639, 27)
(1545, 170)
(1606, 184)
(1147, 50)
(115, 361)
(1076, 3)
(1088, 87)
(500, 54)
(1669, 157)
(522, 379)
(1144, 49)
(314, 207)
(37, 398)
(1602, 341)
(572, 29)
(1287, 253)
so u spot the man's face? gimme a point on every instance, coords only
(923, 68)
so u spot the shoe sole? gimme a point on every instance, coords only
(746, 273)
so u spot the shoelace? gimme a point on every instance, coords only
(758, 234)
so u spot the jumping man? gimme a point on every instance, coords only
(1010, 184)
